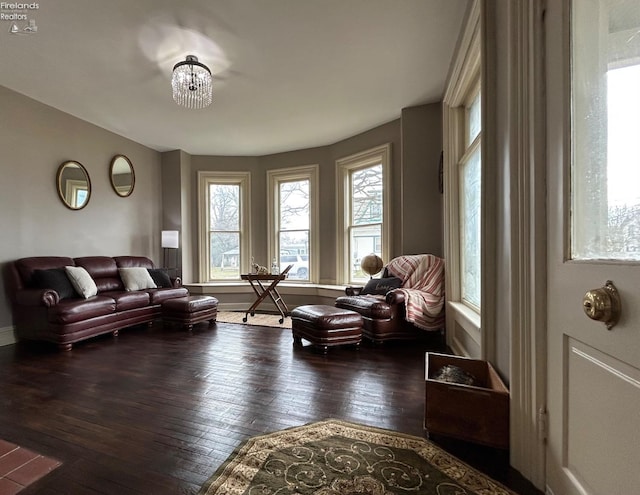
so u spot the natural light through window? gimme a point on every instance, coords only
(470, 169)
(365, 230)
(294, 233)
(623, 147)
(605, 152)
(363, 210)
(293, 220)
(224, 225)
(224, 233)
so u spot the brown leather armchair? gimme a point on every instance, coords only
(401, 313)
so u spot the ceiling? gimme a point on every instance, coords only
(288, 74)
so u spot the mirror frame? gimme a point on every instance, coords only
(60, 189)
(133, 176)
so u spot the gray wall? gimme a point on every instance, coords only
(421, 200)
(416, 141)
(35, 139)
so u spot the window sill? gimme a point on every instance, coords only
(325, 290)
(467, 318)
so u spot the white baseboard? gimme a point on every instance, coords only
(7, 336)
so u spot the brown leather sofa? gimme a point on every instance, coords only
(41, 314)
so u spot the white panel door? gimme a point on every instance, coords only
(593, 136)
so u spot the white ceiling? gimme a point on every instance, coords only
(288, 74)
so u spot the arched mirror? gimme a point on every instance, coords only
(122, 176)
(74, 185)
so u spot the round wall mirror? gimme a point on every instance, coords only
(74, 185)
(122, 176)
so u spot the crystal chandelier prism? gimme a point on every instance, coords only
(192, 83)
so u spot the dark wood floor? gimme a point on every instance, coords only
(157, 410)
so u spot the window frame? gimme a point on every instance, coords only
(205, 179)
(467, 153)
(465, 322)
(344, 168)
(291, 174)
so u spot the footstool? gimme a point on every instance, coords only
(326, 326)
(189, 310)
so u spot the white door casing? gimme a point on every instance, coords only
(593, 373)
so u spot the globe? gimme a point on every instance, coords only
(371, 264)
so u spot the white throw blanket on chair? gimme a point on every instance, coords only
(422, 278)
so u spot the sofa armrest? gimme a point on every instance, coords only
(395, 297)
(353, 290)
(37, 297)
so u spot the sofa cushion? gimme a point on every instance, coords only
(128, 300)
(370, 306)
(136, 278)
(103, 270)
(131, 261)
(56, 279)
(73, 310)
(26, 266)
(380, 286)
(161, 277)
(81, 281)
(160, 295)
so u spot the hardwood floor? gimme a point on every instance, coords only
(157, 410)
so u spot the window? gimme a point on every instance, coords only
(605, 105)
(78, 192)
(469, 168)
(292, 213)
(464, 194)
(224, 225)
(363, 211)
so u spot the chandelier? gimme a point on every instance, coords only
(191, 83)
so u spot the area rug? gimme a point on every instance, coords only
(338, 458)
(260, 319)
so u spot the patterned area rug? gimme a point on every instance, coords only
(260, 319)
(339, 458)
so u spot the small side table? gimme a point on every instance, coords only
(259, 285)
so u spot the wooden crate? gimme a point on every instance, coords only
(477, 414)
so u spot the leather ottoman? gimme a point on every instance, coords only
(326, 326)
(190, 310)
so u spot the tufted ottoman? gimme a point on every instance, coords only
(326, 326)
(190, 310)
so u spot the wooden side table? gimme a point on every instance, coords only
(263, 290)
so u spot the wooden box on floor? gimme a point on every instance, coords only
(477, 414)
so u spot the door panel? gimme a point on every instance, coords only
(593, 372)
(597, 425)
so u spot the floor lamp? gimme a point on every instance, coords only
(170, 240)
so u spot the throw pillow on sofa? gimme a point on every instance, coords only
(81, 281)
(161, 277)
(136, 278)
(56, 279)
(380, 286)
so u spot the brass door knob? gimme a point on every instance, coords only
(603, 304)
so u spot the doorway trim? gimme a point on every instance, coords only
(526, 143)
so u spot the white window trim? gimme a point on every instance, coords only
(463, 84)
(243, 179)
(274, 177)
(380, 154)
(73, 186)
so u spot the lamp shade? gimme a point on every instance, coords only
(170, 239)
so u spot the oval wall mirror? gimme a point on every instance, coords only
(122, 176)
(74, 185)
